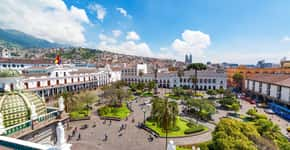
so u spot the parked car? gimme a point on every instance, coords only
(269, 111)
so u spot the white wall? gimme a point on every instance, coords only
(285, 91)
(273, 91)
(264, 88)
(256, 86)
(250, 85)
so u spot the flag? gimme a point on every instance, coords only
(57, 60)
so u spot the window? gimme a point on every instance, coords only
(22, 65)
(13, 65)
(56, 74)
(221, 82)
(64, 73)
(213, 80)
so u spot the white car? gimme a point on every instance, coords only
(269, 111)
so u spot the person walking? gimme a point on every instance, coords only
(79, 138)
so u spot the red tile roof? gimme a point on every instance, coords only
(279, 79)
(26, 61)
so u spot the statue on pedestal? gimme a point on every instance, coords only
(61, 104)
(33, 115)
(171, 145)
(61, 142)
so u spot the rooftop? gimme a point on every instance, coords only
(279, 79)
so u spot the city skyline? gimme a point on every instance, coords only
(223, 31)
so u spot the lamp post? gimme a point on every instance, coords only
(144, 111)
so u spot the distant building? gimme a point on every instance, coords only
(207, 79)
(188, 59)
(263, 64)
(20, 64)
(4, 53)
(229, 65)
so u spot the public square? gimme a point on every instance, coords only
(133, 138)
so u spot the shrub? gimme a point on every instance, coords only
(174, 129)
(191, 124)
(194, 130)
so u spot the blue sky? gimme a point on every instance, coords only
(241, 31)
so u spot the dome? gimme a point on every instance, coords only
(16, 107)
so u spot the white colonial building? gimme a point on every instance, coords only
(275, 87)
(53, 80)
(207, 79)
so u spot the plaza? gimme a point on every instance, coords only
(133, 138)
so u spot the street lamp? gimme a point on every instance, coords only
(144, 111)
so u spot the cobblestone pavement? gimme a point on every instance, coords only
(132, 137)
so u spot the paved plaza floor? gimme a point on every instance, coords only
(132, 137)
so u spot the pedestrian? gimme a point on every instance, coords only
(69, 137)
(73, 133)
(79, 138)
(110, 122)
(105, 137)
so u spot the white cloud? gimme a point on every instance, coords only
(107, 39)
(99, 9)
(116, 33)
(192, 42)
(47, 19)
(132, 35)
(286, 39)
(129, 47)
(122, 11)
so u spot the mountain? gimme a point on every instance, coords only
(13, 38)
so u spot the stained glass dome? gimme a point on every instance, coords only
(16, 107)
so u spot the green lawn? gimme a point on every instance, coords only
(79, 114)
(147, 94)
(181, 148)
(117, 112)
(181, 123)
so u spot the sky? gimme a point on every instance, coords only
(240, 31)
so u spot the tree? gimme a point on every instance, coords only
(200, 108)
(133, 86)
(238, 79)
(69, 101)
(151, 85)
(221, 92)
(140, 86)
(180, 73)
(232, 134)
(193, 80)
(115, 95)
(141, 73)
(211, 92)
(88, 97)
(164, 113)
(196, 67)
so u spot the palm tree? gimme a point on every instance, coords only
(165, 114)
(193, 80)
(180, 73)
(69, 101)
(196, 67)
(151, 85)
